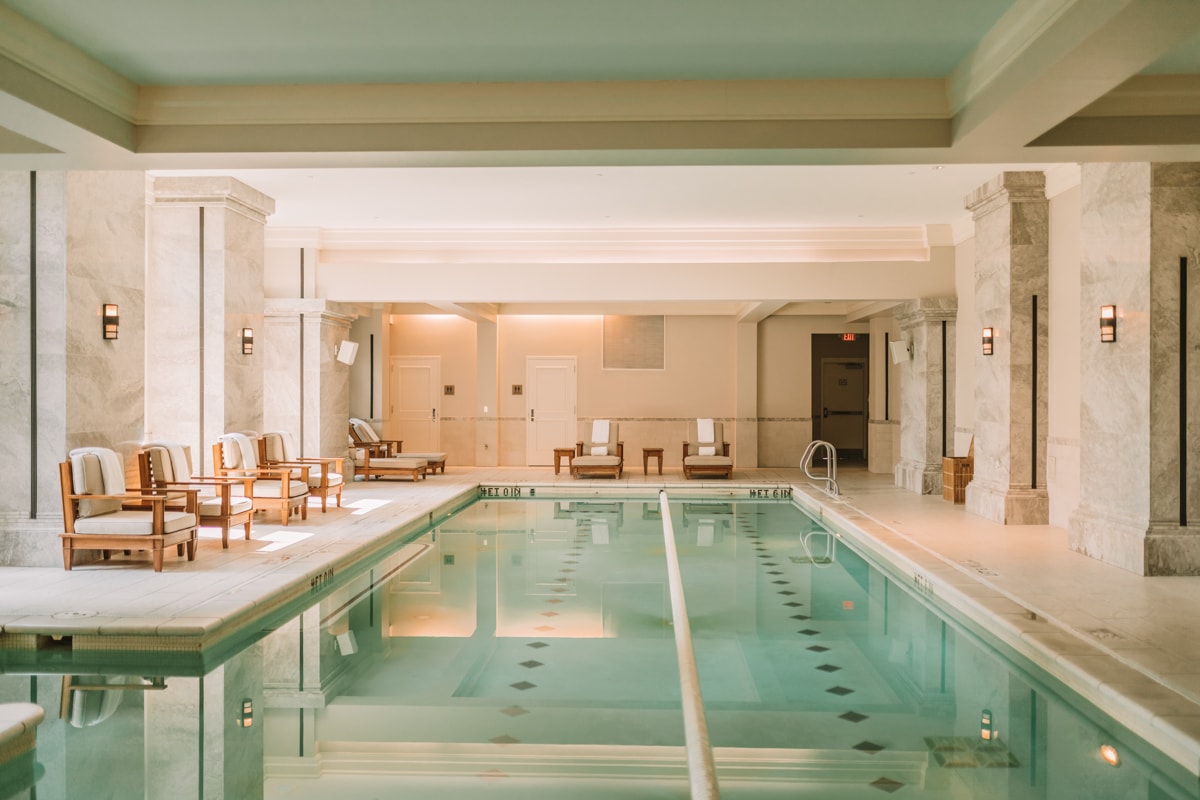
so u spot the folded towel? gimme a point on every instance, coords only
(599, 531)
(705, 532)
(708, 450)
(704, 431)
(600, 431)
(599, 451)
(112, 470)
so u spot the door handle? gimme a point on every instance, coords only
(531, 415)
(435, 415)
(825, 413)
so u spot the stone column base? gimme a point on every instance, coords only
(1007, 505)
(1143, 549)
(28, 542)
(920, 478)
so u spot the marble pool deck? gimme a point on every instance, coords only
(1126, 642)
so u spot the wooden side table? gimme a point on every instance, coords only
(649, 453)
(560, 453)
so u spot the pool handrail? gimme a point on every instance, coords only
(702, 773)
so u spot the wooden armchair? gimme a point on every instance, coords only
(706, 452)
(99, 514)
(604, 454)
(222, 502)
(273, 488)
(324, 475)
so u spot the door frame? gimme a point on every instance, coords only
(530, 398)
(866, 400)
(391, 424)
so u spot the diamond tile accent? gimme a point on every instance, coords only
(852, 716)
(544, 628)
(570, 562)
(787, 592)
(794, 604)
(559, 589)
(808, 632)
(840, 691)
(868, 747)
(514, 711)
(549, 613)
(829, 667)
(566, 569)
(887, 785)
(774, 571)
(531, 664)
(801, 616)
(504, 739)
(522, 685)
(554, 600)
(816, 648)
(537, 645)
(781, 583)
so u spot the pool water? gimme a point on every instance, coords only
(526, 649)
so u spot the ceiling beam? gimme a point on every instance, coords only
(475, 312)
(757, 312)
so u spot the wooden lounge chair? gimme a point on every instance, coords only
(324, 475)
(222, 502)
(234, 455)
(706, 452)
(604, 454)
(99, 514)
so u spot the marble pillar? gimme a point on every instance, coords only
(487, 381)
(306, 389)
(1012, 267)
(744, 438)
(69, 242)
(1138, 509)
(204, 285)
(927, 392)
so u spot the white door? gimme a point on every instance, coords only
(549, 407)
(416, 402)
(844, 403)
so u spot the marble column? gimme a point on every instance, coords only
(927, 392)
(744, 440)
(1012, 267)
(306, 389)
(69, 243)
(487, 381)
(1136, 509)
(204, 285)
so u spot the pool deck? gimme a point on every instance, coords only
(1127, 640)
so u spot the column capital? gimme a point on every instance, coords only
(1005, 189)
(214, 190)
(925, 309)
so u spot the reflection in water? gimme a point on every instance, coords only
(527, 647)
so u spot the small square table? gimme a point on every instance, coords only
(560, 453)
(649, 453)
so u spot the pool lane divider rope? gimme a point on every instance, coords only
(702, 774)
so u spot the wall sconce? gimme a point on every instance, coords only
(246, 718)
(1108, 323)
(988, 338)
(986, 731)
(110, 320)
(247, 341)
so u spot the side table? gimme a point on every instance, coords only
(649, 453)
(560, 453)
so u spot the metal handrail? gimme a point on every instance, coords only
(702, 773)
(830, 476)
(830, 549)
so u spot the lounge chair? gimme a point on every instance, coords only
(324, 475)
(603, 454)
(706, 452)
(363, 436)
(234, 455)
(222, 502)
(99, 514)
(369, 462)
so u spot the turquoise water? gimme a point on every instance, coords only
(525, 649)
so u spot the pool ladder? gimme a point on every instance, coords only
(830, 477)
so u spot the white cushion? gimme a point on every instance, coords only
(138, 523)
(430, 457)
(398, 463)
(595, 461)
(706, 461)
(211, 506)
(265, 487)
(314, 477)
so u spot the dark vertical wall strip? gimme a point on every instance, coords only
(301, 687)
(200, 349)
(371, 370)
(1033, 438)
(301, 376)
(200, 747)
(1183, 348)
(1033, 737)
(943, 388)
(33, 416)
(887, 386)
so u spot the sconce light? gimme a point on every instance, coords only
(246, 718)
(110, 320)
(1108, 323)
(247, 341)
(988, 337)
(1110, 755)
(986, 731)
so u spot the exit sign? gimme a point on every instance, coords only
(847, 337)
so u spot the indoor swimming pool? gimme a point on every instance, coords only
(526, 648)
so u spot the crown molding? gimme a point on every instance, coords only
(662, 245)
